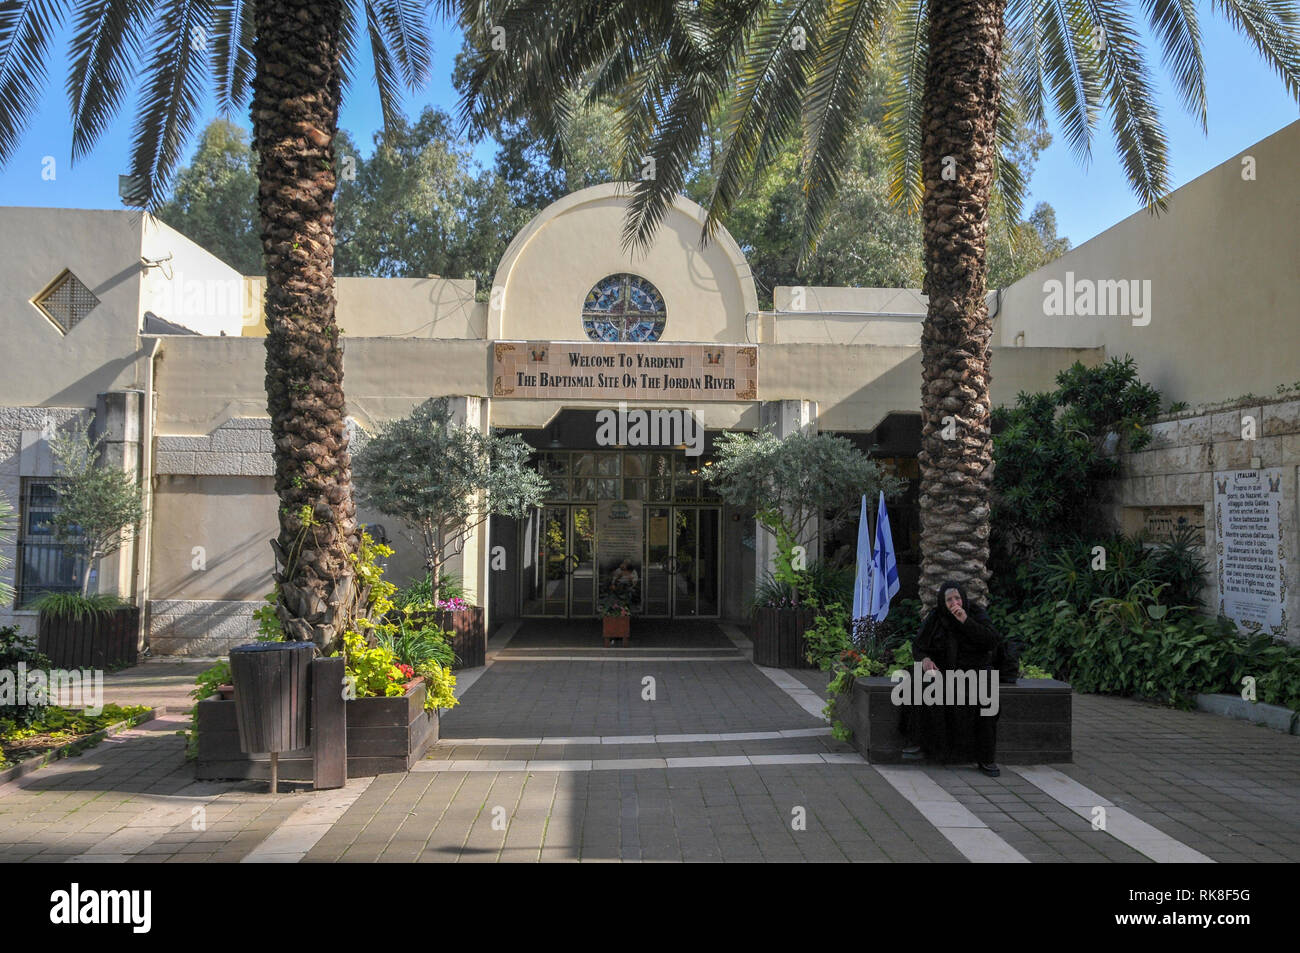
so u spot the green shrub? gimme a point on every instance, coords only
(75, 606)
(16, 649)
(821, 582)
(1141, 645)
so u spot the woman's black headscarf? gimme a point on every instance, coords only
(941, 632)
(947, 618)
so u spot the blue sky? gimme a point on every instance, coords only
(1247, 102)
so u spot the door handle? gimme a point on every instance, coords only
(670, 565)
(569, 568)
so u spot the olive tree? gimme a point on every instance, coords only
(793, 483)
(444, 480)
(97, 504)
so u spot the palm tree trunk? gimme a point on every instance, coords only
(959, 123)
(295, 116)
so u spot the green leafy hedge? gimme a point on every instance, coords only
(1139, 646)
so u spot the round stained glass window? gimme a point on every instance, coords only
(623, 308)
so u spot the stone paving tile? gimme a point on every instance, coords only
(1167, 767)
(1224, 788)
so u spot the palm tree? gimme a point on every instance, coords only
(293, 57)
(963, 74)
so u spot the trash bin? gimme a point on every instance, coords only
(272, 697)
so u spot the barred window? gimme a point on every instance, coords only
(44, 563)
(66, 301)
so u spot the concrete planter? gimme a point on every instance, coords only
(779, 637)
(465, 627)
(1034, 723)
(1234, 706)
(97, 641)
(384, 736)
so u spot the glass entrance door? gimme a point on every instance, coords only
(559, 548)
(683, 568)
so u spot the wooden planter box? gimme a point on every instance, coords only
(384, 736)
(616, 627)
(778, 637)
(465, 626)
(99, 641)
(1034, 721)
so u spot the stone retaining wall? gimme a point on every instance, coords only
(1176, 470)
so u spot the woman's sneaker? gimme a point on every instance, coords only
(913, 753)
(990, 769)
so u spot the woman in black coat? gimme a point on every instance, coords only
(956, 636)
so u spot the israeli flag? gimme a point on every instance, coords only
(884, 566)
(862, 576)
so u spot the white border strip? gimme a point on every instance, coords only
(976, 841)
(1120, 824)
(299, 832)
(633, 764)
(635, 739)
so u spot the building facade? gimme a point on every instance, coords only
(114, 314)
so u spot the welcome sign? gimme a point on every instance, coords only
(591, 370)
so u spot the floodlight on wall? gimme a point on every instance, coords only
(159, 263)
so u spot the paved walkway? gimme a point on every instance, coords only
(673, 748)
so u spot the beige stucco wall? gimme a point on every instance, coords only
(856, 388)
(229, 520)
(1222, 263)
(553, 263)
(394, 307)
(101, 353)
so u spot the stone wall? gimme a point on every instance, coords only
(200, 627)
(1174, 475)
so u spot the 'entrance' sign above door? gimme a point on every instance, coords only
(577, 370)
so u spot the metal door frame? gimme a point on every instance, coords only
(672, 556)
(569, 533)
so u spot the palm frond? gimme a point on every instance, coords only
(1024, 56)
(407, 38)
(1174, 22)
(1008, 177)
(671, 129)
(25, 31)
(833, 106)
(386, 78)
(1272, 26)
(1072, 72)
(172, 94)
(233, 30)
(765, 106)
(1139, 137)
(105, 48)
(903, 107)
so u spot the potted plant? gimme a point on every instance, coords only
(397, 678)
(99, 506)
(791, 484)
(443, 481)
(616, 619)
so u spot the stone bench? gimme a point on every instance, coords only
(1034, 721)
